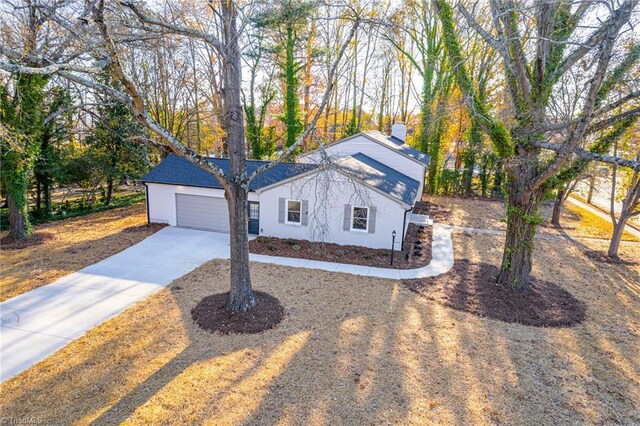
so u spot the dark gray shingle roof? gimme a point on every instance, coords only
(175, 170)
(400, 146)
(382, 177)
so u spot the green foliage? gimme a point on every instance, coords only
(450, 182)
(499, 135)
(74, 208)
(49, 163)
(22, 114)
(286, 20)
(261, 140)
(115, 155)
(601, 145)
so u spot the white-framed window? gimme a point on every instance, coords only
(360, 218)
(293, 211)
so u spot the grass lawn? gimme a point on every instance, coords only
(480, 213)
(588, 223)
(72, 245)
(353, 350)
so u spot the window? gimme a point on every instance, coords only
(254, 211)
(294, 208)
(360, 218)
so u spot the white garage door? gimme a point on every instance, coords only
(198, 212)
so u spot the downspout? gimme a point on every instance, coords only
(146, 196)
(404, 227)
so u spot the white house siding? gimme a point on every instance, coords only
(162, 200)
(375, 150)
(326, 194)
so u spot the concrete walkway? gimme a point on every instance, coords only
(539, 236)
(36, 324)
(441, 261)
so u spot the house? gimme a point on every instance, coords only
(390, 150)
(356, 199)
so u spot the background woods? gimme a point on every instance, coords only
(518, 100)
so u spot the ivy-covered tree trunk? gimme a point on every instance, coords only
(523, 207)
(19, 226)
(292, 119)
(517, 255)
(23, 115)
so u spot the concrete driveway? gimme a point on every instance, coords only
(42, 321)
(38, 323)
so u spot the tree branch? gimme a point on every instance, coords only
(53, 68)
(177, 29)
(321, 107)
(603, 158)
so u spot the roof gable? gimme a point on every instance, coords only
(382, 177)
(390, 142)
(399, 146)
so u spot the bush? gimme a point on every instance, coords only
(450, 182)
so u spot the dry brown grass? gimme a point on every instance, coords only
(76, 243)
(588, 224)
(352, 350)
(490, 214)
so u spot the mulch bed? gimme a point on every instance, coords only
(600, 256)
(470, 287)
(211, 314)
(417, 251)
(153, 227)
(11, 243)
(435, 211)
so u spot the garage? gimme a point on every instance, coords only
(201, 212)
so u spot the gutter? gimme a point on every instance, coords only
(146, 196)
(404, 227)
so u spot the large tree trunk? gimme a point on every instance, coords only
(241, 296)
(618, 230)
(522, 221)
(557, 208)
(18, 221)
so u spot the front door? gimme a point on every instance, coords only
(254, 217)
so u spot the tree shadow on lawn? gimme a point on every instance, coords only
(350, 350)
(544, 304)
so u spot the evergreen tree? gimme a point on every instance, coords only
(111, 144)
(286, 21)
(48, 166)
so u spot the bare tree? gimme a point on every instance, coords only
(110, 26)
(630, 200)
(539, 43)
